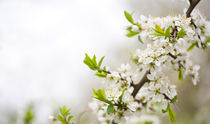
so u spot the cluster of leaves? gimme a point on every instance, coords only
(101, 96)
(131, 33)
(65, 116)
(167, 33)
(204, 45)
(29, 115)
(171, 114)
(160, 32)
(93, 65)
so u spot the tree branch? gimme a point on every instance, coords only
(138, 86)
(193, 4)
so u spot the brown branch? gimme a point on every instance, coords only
(172, 56)
(193, 4)
(138, 86)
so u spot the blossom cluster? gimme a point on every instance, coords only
(118, 92)
(168, 42)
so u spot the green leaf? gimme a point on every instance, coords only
(181, 33)
(94, 60)
(101, 74)
(29, 115)
(140, 40)
(69, 118)
(100, 62)
(91, 63)
(128, 17)
(61, 119)
(191, 46)
(180, 75)
(110, 109)
(167, 32)
(64, 115)
(208, 40)
(64, 111)
(138, 25)
(164, 111)
(158, 31)
(171, 115)
(132, 33)
(100, 95)
(121, 96)
(174, 99)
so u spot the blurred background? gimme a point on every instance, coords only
(43, 43)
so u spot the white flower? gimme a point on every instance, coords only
(133, 106)
(113, 94)
(125, 68)
(114, 76)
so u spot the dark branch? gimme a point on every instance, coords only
(140, 84)
(193, 4)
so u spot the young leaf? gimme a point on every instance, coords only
(101, 60)
(100, 95)
(191, 46)
(128, 17)
(110, 109)
(180, 75)
(140, 40)
(69, 118)
(174, 99)
(132, 33)
(64, 111)
(121, 96)
(94, 60)
(138, 25)
(61, 119)
(181, 33)
(29, 115)
(64, 115)
(101, 74)
(167, 32)
(91, 63)
(208, 40)
(164, 111)
(171, 115)
(158, 31)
